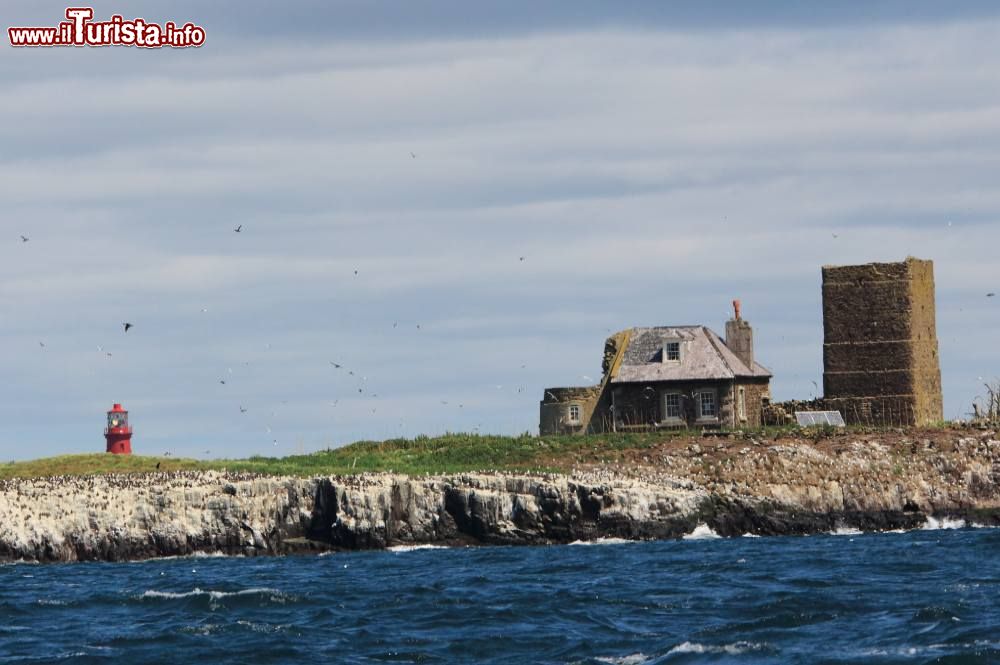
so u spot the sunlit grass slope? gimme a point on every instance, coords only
(450, 453)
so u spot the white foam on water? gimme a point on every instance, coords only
(751, 535)
(603, 541)
(632, 659)
(218, 554)
(215, 595)
(19, 562)
(412, 548)
(733, 649)
(702, 532)
(263, 627)
(846, 531)
(194, 555)
(933, 523)
(52, 602)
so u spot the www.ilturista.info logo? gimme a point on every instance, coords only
(80, 30)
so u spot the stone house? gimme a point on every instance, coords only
(666, 377)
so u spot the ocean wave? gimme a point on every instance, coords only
(733, 649)
(194, 555)
(846, 531)
(934, 523)
(273, 594)
(632, 659)
(263, 627)
(702, 532)
(603, 541)
(412, 548)
(51, 602)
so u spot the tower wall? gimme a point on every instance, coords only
(880, 352)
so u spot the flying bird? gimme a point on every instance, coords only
(335, 364)
(243, 409)
(990, 294)
(222, 382)
(41, 344)
(238, 229)
(127, 326)
(521, 259)
(24, 238)
(413, 155)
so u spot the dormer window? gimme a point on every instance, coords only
(671, 352)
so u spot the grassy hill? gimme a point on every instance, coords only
(443, 454)
(455, 453)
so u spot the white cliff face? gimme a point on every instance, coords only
(122, 517)
(731, 487)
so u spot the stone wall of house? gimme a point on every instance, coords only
(880, 346)
(639, 406)
(554, 409)
(756, 393)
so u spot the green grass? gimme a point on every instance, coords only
(92, 464)
(451, 453)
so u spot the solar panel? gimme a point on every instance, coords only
(816, 418)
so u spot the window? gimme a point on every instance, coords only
(671, 352)
(672, 406)
(706, 405)
(574, 413)
(741, 403)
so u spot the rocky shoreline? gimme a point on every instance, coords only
(734, 485)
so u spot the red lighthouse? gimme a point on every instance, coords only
(118, 433)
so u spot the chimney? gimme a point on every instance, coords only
(739, 336)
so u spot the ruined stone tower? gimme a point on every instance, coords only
(880, 350)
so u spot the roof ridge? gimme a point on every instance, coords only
(710, 334)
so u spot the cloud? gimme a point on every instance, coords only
(647, 174)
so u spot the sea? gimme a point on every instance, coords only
(926, 596)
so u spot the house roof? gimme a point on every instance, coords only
(704, 356)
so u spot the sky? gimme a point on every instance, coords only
(457, 202)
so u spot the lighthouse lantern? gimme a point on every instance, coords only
(118, 433)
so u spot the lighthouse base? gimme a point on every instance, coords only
(119, 445)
